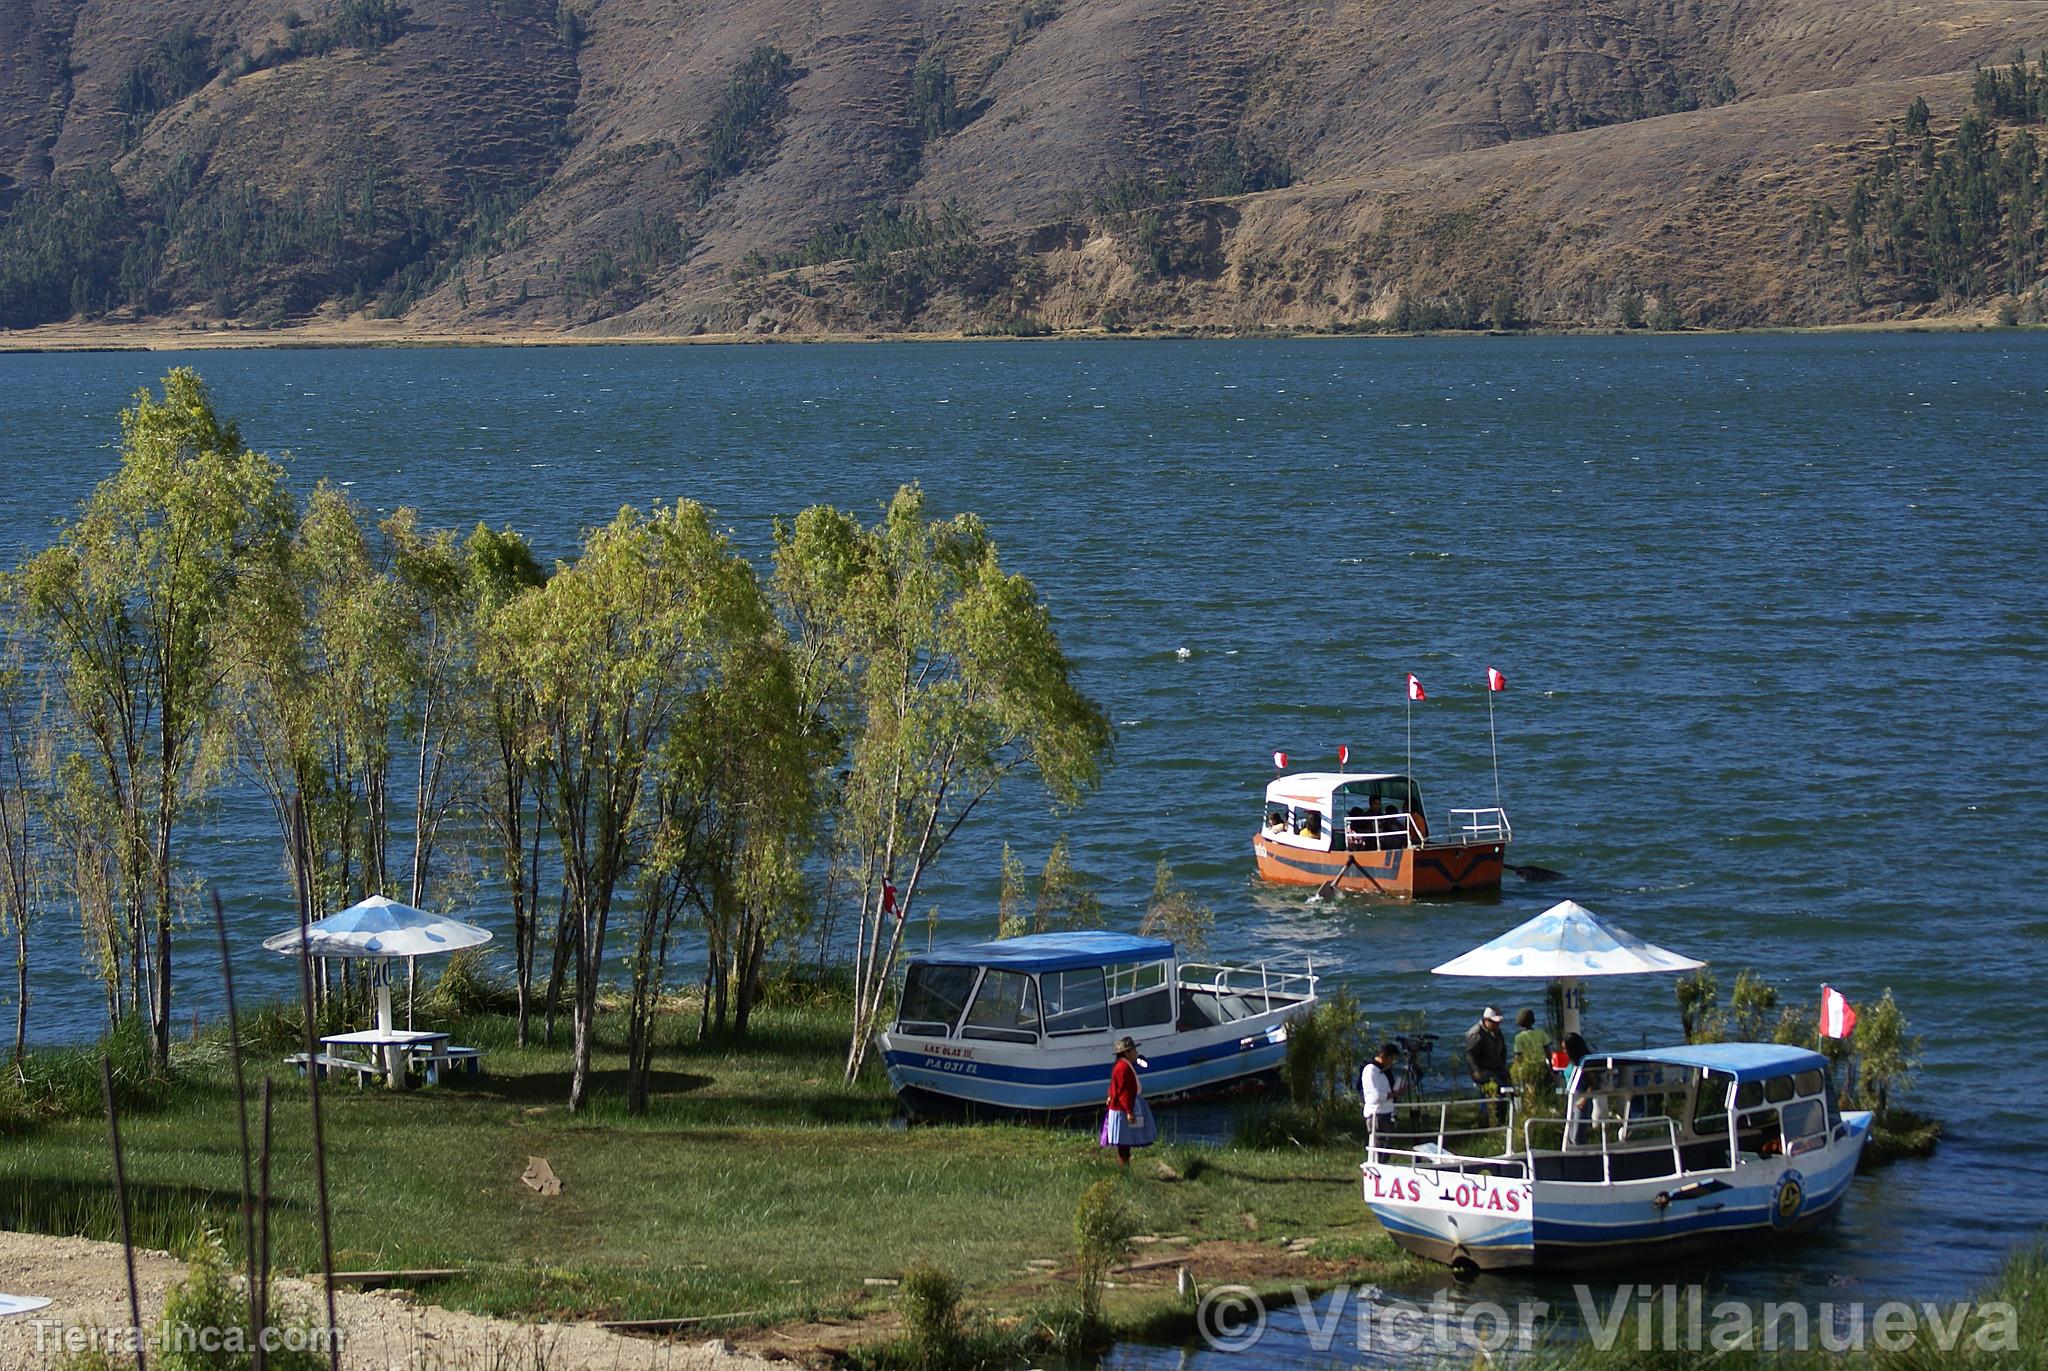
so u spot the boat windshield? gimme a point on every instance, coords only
(1392, 792)
(933, 997)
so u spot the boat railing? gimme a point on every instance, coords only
(1262, 982)
(1381, 832)
(1614, 1135)
(1442, 1154)
(1488, 824)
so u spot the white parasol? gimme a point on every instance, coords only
(1566, 943)
(383, 931)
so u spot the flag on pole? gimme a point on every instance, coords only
(1415, 688)
(1343, 753)
(1837, 1015)
(1280, 761)
(1494, 680)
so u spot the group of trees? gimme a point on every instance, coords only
(649, 738)
(1950, 216)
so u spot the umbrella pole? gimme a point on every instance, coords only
(393, 1075)
(1571, 1005)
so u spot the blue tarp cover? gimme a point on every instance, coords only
(1038, 952)
(1743, 1061)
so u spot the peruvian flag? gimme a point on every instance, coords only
(1494, 680)
(1280, 761)
(1837, 1015)
(1343, 753)
(889, 898)
(1415, 688)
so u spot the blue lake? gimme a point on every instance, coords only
(1771, 612)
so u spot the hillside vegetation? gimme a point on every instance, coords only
(859, 166)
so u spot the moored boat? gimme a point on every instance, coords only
(1660, 1153)
(1367, 833)
(1025, 1025)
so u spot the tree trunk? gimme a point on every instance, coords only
(562, 936)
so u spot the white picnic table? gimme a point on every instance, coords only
(394, 1046)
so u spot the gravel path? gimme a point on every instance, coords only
(88, 1292)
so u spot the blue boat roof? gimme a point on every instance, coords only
(1037, 952)
(1743, 1061)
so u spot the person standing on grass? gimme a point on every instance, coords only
(1377, 1089)
(1128, 1123)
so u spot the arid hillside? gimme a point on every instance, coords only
(821, 166)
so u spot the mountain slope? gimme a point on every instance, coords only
(678, 165)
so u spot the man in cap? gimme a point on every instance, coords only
(1486, 1054)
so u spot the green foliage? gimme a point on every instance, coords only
(1063, 897)
(181, 64)
(1887, 1055)
(903, 255)
(1104, 1224)
(571, 26)
(1959, 216)
(1536, 1087)
(1230, 166)
(935, 108)
(1175, 914)
(1031, 16)
(207, 1322)
(931, 1317)
(1752, 1008)
(466, 987)
(742, 129)
(1326, 1048)
(60, 250)
(1699, 999)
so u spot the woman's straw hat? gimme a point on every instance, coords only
(1126, 1044)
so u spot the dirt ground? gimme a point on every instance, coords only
(88, 1297)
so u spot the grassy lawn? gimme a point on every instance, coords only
(758, 1184)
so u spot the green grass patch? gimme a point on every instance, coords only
(757, 1184)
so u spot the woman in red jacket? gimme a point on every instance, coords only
(1128, 1123)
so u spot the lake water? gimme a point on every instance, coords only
(1770, 611)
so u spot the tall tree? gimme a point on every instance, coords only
(24, 857)
(500, 716)
(610, 650)
(131, 604)
(955, 681)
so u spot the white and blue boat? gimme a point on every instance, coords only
(1026, 1025)
(1660, 1154)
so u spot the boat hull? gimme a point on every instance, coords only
(1493, 1222)
(953, 1076)
(1433, 869)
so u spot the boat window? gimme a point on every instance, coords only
(1806, 1125)
(1749, 1095)
(1143, 1011)
(1134, 978)
(1005, 1009)
(1808, 1082)
(1778, 1089)
(1075, 1001)
(933, 997)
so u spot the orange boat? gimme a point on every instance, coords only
(1366, 833)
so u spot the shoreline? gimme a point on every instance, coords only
(61, 338)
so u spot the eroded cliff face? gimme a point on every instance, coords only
(645, 166)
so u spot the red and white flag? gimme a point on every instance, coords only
(1415, 688)
(1280, 761)
(1494, 680)
(1837, 1015)
(1343, 753)
(889, 898)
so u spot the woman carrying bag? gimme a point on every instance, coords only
(1128, 1123)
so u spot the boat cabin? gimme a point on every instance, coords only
(1026, 1024)
(1704, 1107)
(1335, 812)
(1052, 986)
